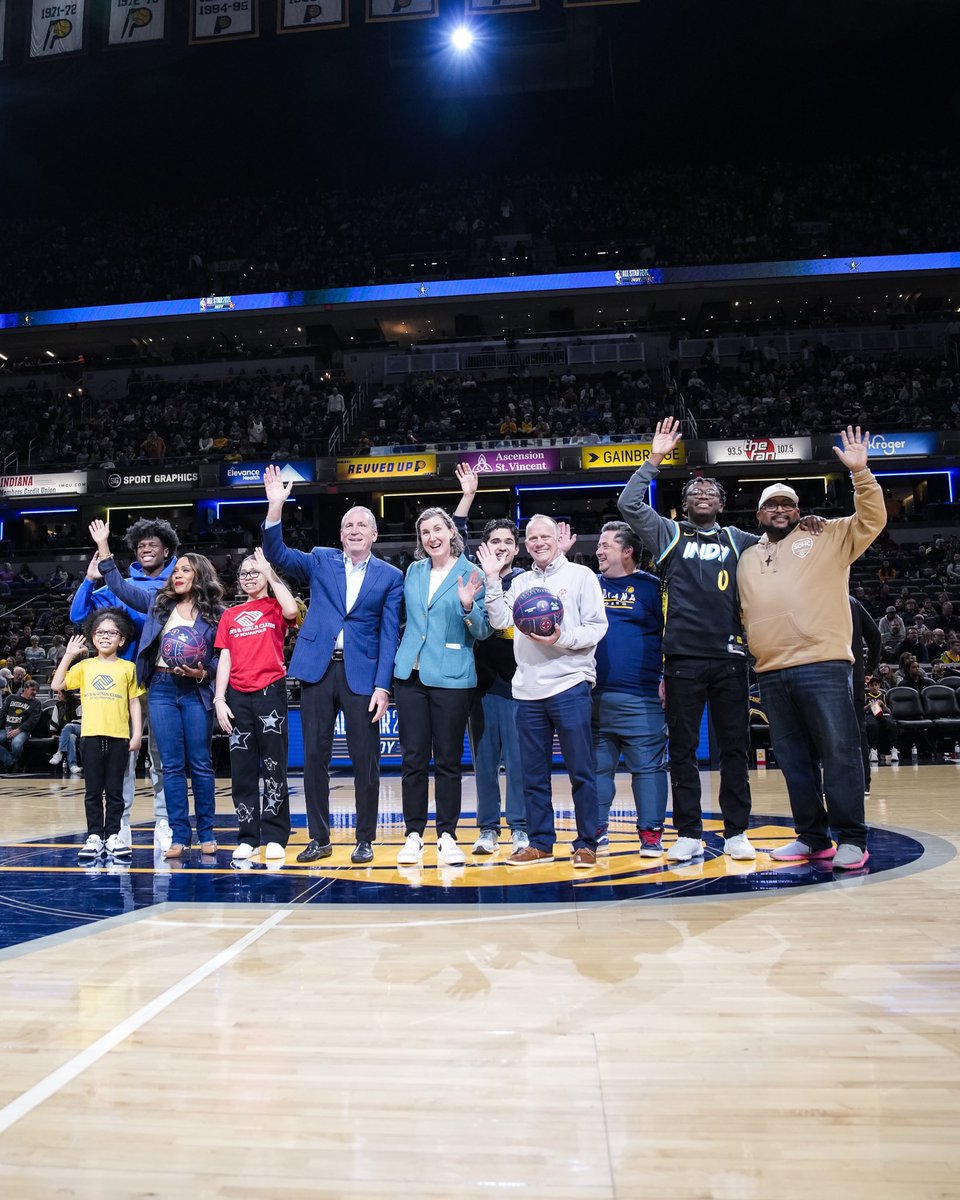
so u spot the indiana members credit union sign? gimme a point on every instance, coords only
(760, 450)
(69, 483)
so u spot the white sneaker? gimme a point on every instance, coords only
(162, 835)
(895, 755)
(519, 839)
(243, 850)
(75, 770)
(487, 843)
(412, 850)
(274, 850)
(91, 849)
(449, 852)
(739, 847)
(56, 759)
(683, 849)
(125, 835)
(873, 756)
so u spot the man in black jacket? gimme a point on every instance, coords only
(19, 716)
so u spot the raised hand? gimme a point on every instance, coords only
(274, 486)
(93, 569)
(665, 437)
(855, 449)
(467, 590)
(263, 564)
(76, 646)
(468, 479)
(100, 533)
(488, 561)
(566, 538)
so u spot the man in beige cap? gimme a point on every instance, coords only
(796, 613)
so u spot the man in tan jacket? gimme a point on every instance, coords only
(793, 596)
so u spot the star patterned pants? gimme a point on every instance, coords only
(258, 750)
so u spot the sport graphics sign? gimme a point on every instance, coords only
(387, 466)
(761, 450)
(67, 483)
(250, 474)
(151, 479)
(489, 462)
(902, 445)
(626, 454)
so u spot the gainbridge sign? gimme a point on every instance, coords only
(761, 450)
(626, 454)
(387, 466)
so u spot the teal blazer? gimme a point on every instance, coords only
(439, 632)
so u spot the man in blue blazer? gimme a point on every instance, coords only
(343, 659)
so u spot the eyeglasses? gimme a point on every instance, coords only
(103, 631)
(249, 574)
(773, 505)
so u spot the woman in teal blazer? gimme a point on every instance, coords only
(434, 678)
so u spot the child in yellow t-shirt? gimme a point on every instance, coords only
(111, 724)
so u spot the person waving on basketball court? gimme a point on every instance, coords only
(176, 663)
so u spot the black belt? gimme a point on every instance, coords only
(336, 656)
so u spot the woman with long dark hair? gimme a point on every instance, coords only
(179, 697)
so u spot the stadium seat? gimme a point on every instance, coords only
(940, 705)
(914, 727)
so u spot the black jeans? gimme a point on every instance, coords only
(432, 720)
(319, 704)
(258, 746)
(104, 766)
(689, 684)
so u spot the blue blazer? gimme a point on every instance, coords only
(371, 629)
(143, 601)
(439, 632)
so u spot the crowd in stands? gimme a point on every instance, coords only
(317, 236)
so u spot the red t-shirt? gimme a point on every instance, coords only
(253, 632)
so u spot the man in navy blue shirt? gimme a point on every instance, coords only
(628, 720)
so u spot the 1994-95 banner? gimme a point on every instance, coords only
(223, 20)
(295, 16)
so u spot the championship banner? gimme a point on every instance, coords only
(223, 20)
(401, 10)
(626, 454)
(498, 6)
(402, 466)
(760, 450)
(495, 462)
(3, 25)
(595, 3)
(136, 21)
(296, 15)
(56, 27)
(66, 483)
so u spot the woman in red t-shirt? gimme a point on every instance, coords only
(250, 703)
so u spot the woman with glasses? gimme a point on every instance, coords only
(250, 703)
(179, 698)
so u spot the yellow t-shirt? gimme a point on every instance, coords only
(106, 689)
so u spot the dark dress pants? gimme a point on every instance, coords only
(432, 721)
(319, 705)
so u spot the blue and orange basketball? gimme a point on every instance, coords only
(183, 647)
(537, 610)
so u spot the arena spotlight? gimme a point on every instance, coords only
(461, 39)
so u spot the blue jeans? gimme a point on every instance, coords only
(493, 726)
(11, 749)
(636, 728)
(815, 736)
(567, 714)
(183, 728)
(68, 742)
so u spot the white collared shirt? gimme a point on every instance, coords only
(355, 576)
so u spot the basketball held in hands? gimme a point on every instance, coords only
(537, 610)
(183, 647)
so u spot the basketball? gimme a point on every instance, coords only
(537, 610)
(183, 647)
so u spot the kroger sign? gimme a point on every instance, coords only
(902, 445)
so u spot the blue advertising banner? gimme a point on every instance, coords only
(902, 445)
(250, 474)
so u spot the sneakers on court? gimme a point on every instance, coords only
(118, 850)
(76, 770)
(739, 847)
(519, 839)
(796, 851)
(243, 851)
(411, 852)
(487, 843)
(650, 844)
(91, 849)
(603, 843)
(56, 759)
(685, 848)
(449, 852)
(848, 857)
(125, 834)
(273, 850)
(162, 835)
(529, 856)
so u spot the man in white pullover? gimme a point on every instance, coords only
(552, 686)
